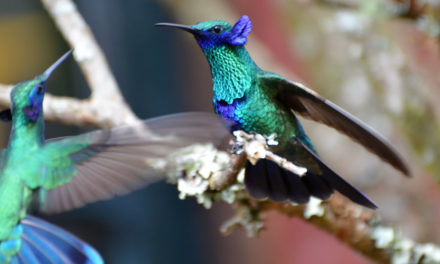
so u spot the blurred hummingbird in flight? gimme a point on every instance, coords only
(258, 101)
(65, 173)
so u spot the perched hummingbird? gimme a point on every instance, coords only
(65, 173)
(255, 100)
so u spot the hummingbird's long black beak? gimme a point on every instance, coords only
(179, 26)
(55, 65)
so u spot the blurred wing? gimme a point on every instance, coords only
(42, 242)
(313, 106)
(105, 163)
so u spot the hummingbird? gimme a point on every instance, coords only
(255, 100)
(60, 174)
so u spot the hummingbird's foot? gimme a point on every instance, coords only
(257, 147)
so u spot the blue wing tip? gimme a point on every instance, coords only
(92, 254)
(47, 242)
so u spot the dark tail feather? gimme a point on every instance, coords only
(256, 180)
(338, 183)
(267, 180)
(278, 191)
(45, 243)
(317, 186)
(298, 191)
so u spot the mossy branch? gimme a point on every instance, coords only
(358, 227)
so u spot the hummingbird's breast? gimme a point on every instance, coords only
(240, 100)
(12, 203)
(229, 112)
(256, 112)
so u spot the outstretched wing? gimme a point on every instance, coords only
(101, 164)
(313, 106)
(42, 242)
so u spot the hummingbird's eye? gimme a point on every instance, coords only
(216, 29)
(39, 88)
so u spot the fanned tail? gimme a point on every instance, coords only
(266, 179)
(46, 243)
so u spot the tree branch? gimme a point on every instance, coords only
(106, 106)
(359, 228)
(72, 111)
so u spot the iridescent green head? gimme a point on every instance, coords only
(216, 33)
(27, 97)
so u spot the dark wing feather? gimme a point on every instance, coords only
(101, 164)
(336, 182)
(313, 106)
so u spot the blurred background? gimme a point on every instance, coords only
(379, 59)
